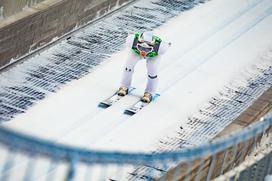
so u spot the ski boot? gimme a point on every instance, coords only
(147, 98)
(122, 91)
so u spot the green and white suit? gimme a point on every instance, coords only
(152, 61)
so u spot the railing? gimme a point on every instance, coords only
(27, 158)
(257, 168)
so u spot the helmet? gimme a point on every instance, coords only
(145, 43)
(147, 36)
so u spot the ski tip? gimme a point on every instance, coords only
(103, 105)
(128, 112)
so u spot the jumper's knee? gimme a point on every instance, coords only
(152, 77)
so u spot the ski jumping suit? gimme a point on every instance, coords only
(152, 63)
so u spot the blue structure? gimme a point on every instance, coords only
(15, 144)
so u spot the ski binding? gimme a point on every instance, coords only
(139, 105)
(113, 99)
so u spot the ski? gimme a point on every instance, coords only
(139, 105)
(112, 99)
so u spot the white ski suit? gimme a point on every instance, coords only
(152, 64)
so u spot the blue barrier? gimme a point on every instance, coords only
(74, 156)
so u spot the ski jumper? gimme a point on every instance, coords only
(152, 62)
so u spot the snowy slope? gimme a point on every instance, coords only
(211, 45)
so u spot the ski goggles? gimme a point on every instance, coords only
(144, 48)
(147, 42)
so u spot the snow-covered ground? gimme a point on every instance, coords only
(211, 45)
(268, 178)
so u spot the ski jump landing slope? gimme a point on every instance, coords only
(213, 45)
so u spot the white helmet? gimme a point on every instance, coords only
(148, 36)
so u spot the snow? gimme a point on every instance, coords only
(268, 178)
(211, 46)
